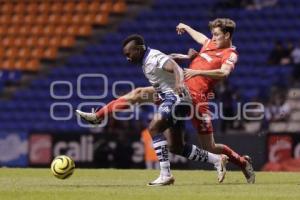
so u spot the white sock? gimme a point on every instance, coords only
(160, 146)
(213, 158)
(165, 168)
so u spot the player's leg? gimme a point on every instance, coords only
(161, 121)
(244, 162)
(178, 146)
(138, 95)
(202, 123)
(208, 143)
(156, 128)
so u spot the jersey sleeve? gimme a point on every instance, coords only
(230, 58)
(161, 59)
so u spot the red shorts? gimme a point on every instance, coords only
(202, 116)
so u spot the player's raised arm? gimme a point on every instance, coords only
(179, 56)
(192, 53)
(197, 36)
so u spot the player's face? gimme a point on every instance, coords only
(132, 53)
(219, 38)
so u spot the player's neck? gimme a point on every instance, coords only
(227, 45)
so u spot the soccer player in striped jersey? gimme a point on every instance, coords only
(166, 78)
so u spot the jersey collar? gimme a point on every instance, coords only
(146, 54)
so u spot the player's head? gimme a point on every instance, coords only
(134, 48)
(222, 30)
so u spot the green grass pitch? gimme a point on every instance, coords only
(111, 184)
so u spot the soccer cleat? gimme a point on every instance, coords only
(89, 117)
(248, 171)
(162, 181)
(221, 167)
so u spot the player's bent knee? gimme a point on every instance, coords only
(153, 128)
(157, 125)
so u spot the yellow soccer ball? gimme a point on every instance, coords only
(62, 167)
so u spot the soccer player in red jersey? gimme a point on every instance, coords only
(214, 62)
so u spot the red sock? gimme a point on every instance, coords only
(118, 104)
(234, 157)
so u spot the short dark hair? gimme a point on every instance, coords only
(225, 24)
(138, 40)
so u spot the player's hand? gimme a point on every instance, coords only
(189, 73)
(192, 53)
(181, 28)
(179, 89)
(174, 56)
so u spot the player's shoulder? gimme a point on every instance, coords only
(156, 58)
(155, 52)
(231, 51)
(157, 55)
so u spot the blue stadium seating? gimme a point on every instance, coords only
(256, 31)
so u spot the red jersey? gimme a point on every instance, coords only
(209, 58)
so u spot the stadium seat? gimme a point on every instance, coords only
(44, 8)
(106, 7)
(8, 64)
(56, 8)
(119, 7)
(54, 19)
(69, 7)
(32, 8)
(32, 65)
(50, 53)
(19, 8)
(67, 42)
(66, 19)
(55, 41)
(101, 19)
(24, 53)
(20, 64)
(93, 7)
(81, 7)
(84, 31)
(7, 8)
(41, 19)
(29, 19)
(5, 20)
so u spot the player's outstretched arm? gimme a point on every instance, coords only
(197, 36)
(192, 53)
(179, 56)
(221, 73)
